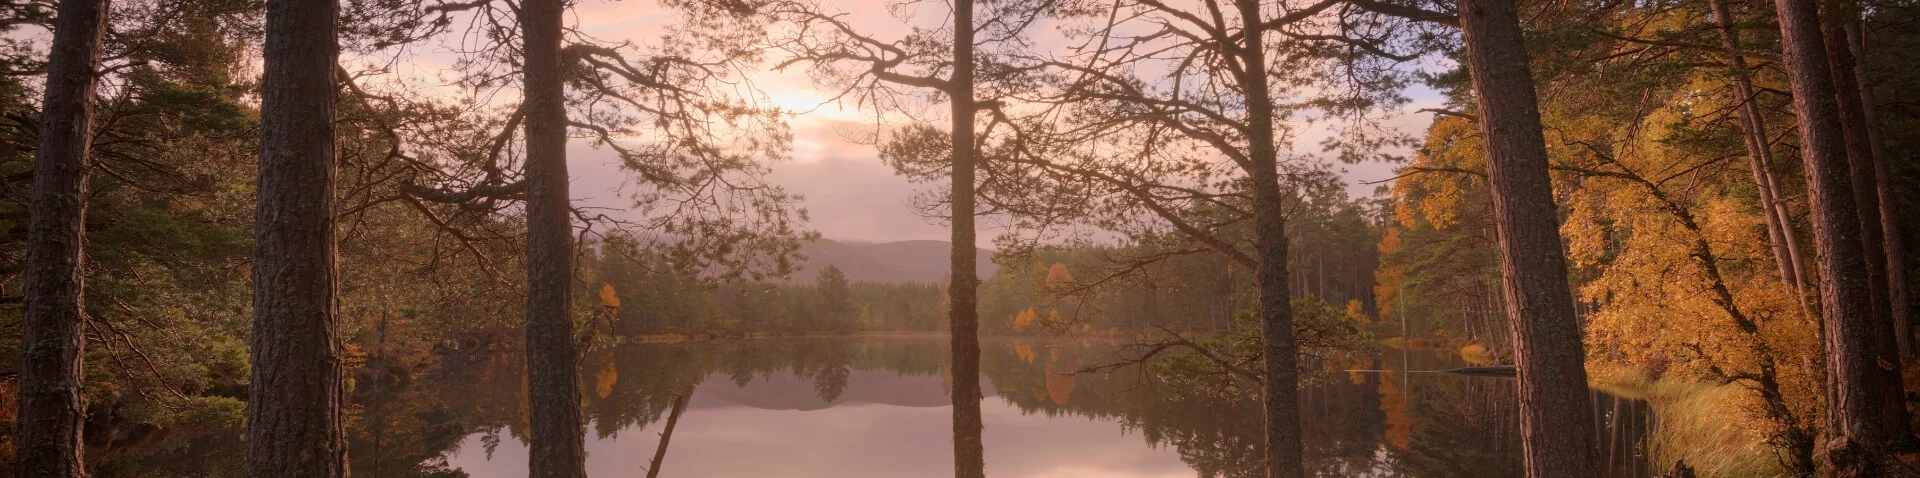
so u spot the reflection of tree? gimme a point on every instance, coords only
(407, 422)
(401, 430)
(1378, 425)
(1345, 425)
(744, 366)
(1466, 427)
(1213, 435)
(1393, 402)
(604, 376)
(969, 452)
(666, 436)
(1024, 351)
(826, 363)
(830, 381)
(648, 377)
(211, 455)
(1059, 383)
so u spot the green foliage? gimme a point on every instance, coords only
(659, 296)
(836, 299)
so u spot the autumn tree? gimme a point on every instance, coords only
(1058, 276)
(1626, 126)
(1547, 341)
(50, 409)
(1647, 248)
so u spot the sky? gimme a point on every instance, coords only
(849, 193)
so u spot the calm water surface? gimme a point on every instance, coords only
(879, 407)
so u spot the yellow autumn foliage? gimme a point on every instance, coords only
(604, 377)
(1475, 354)
(1393, 403)
(1640, 243)
(1058, 275)
(1663, 235)
(1023, 320)
(608, 297)
(1025, 352)
(1059, 385)
(1358, 313)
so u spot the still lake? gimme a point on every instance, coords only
(879, 407)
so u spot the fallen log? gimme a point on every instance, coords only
(1487, 371)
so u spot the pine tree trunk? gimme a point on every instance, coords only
(1866, 196)
(297, 396)
(1555, 407)
(1281, 395)
(968, 452)
(1900, 305)
(50, 410)
(556, 432)
(1854, 407)
(1786, 245)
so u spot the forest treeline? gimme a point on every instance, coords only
(221, 211)
(1039, 290)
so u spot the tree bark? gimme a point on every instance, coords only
(296, 398)
(1900, 305)
(557, 433)
(1866, 197)
(50, 409)
(1858, 439)
(1558, 440)
(1786, 245)
(969, 459)
(1281, 395)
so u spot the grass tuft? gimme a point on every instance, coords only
(1696, 421)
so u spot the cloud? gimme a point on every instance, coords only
(857, 197)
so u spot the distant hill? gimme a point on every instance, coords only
(903, 261)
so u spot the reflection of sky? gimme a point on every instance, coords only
(1386, 422)
(851, 440)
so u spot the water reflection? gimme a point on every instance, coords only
(969, 449)
(884, 407)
